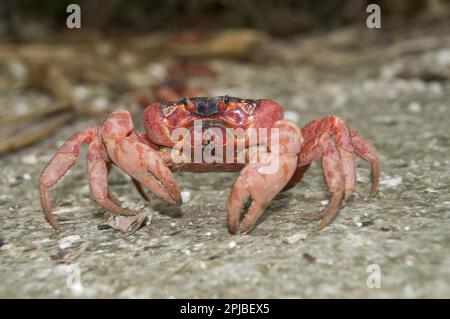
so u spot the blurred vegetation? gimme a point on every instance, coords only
(279, 18)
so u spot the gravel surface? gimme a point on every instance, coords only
(187, 252)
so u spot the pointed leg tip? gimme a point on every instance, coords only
(233, 229)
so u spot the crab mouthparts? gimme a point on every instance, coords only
(206, 107)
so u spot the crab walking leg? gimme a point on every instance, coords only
(63, 160)
(333, 170)
(98, 180)
(263, 186)
(331, 139)
(367, 152)
(110, 194)
(137, 159)
(345, 149)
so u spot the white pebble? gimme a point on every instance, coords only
(185, 196)
(30, 159)
(295, 238)
(392, 181)
(407, 228)
(324, 202)
(26, 177)
(232, 244)
(414, 107)
(67, 242)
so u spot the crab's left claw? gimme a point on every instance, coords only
(139, 160)
(262, 181)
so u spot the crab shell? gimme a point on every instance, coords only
(161, 119)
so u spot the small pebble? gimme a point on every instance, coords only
(414, 107)
(392, 181)
(311, 259)
(185, 196)
(30, 159)
(67, 242)
(295, 238)
(232, 244)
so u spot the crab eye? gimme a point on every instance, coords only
(223, 103)
(190, 106)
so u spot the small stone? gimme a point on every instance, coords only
(67, 242)
(311, 259)
(324, 202)
(26, 177)
(392, 181)
(295, 238)
(232, 244)
(30, 159)
(364, 223)
(407, 228)
(185, 196)
(414, 107)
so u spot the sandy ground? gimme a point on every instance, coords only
(188, 252)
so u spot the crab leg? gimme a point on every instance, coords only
(63, 160)
(98, 179)
(333, 170)
(367, 152)
(331, 139)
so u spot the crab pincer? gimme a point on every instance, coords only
(263, 180)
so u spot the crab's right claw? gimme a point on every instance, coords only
(261, 187)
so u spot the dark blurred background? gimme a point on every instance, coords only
(278, 18)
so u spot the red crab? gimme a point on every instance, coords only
(146, 157)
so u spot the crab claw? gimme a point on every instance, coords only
(147, 167)
(158, 177)
(137, 159)
(261, 187)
